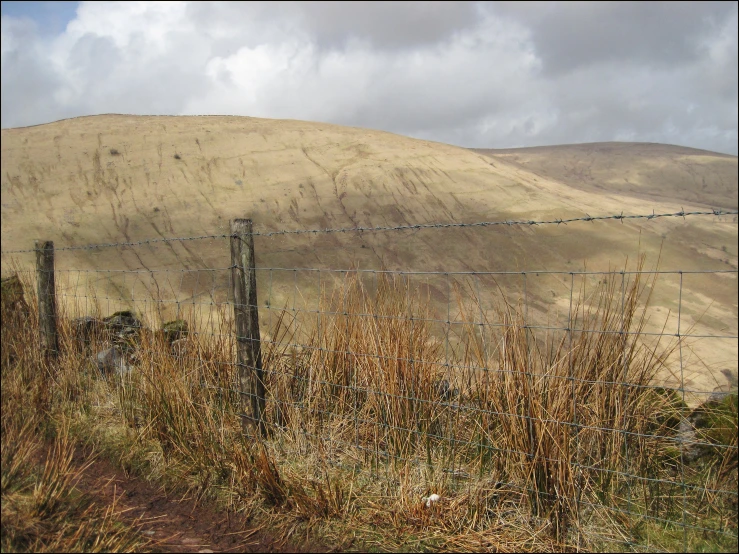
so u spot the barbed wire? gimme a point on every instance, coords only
(288, 360)
(559, 221)
(412, 273)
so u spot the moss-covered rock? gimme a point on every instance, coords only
(716, 418)
(665, 410)
(174, 330)
(715, 427)
(122, 320)
(86, 329)
(125, 327)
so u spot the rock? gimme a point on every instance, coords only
(179, 348)
(124, 325)
(730, 377)
(667, 408)
(701, 417)
(712, 424)
(174, 330)
(85, 328)
(11, 291)
(444, 390)
(431, 500)
(122, 320)
(112, 360)
(720, 393)
(686, 439)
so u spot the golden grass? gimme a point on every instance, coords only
(542, 441)
(42, 511)
(290, 175)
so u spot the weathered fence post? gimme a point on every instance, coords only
(248, 345)
(46, 298)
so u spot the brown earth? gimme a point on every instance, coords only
(173, 523)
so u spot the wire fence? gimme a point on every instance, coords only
(614, 217)
(588, 396)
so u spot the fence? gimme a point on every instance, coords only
(583, 406)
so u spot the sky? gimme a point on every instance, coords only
(486, 75)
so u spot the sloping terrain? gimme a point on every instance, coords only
(119, 178)
(643, 170)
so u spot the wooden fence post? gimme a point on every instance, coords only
(46, 298)
(246, 314)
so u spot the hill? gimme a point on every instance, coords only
(649, 171)
(119, 178)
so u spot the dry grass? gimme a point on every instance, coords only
(540, 442)
(302, 176)
(41, 509)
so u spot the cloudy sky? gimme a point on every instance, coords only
(473, 74)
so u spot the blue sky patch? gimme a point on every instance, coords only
(51, 17)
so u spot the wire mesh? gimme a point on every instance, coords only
(568, 388)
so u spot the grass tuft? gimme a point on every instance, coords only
(532, 439)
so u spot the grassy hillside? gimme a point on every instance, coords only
(126, 178)
(649, 171)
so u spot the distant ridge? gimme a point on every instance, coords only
(605, 147)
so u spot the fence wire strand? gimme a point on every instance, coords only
(456, 416)
(449, 225)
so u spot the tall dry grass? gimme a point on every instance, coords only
(42, 510)
(535, 440)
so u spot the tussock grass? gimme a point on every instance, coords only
(535, 440)
(42, 511)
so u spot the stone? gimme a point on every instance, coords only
(174, 330)
(431, 500)
(179, 348)
(124, 318)
(84, 328)
(730, 378)
(125, 327)
(444, 391)
(668, 408)
(686, 439)
(11, 290)
(111, 360)
(711, 423)
(701, 416)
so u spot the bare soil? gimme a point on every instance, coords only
(172, 523)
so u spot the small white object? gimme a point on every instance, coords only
(431, 499)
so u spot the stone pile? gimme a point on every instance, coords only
(122, 332)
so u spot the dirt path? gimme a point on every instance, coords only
(171, 523)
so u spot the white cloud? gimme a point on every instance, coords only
(492, 75)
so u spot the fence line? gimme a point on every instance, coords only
(451, 417)
(620, 217)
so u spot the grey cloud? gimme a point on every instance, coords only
(471, 74)
(27, 79)
(569, 35)
(94, 57)
(385, 25)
